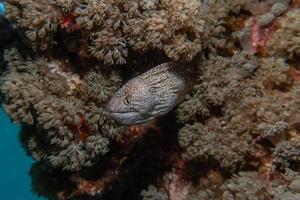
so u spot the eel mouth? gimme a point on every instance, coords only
(122, 113)
(129, 118)
(125, 118)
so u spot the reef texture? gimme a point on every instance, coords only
(107, 30)
(235, 136)
(286, 40)
(73, 128)
(244, 185)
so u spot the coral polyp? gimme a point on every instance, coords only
(233, 132)
(55, 103)
(112, 28)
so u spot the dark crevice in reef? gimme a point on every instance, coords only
(7, 36)
(144, 164)
(149, 160)
(47, 182)
(139, 63)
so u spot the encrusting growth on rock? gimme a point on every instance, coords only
(73, 124)
(235, 135)
(111, 28)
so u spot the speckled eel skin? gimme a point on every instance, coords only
(151, 94)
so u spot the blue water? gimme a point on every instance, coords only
(2, 8)
(15, 165)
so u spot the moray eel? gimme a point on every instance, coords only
(151, 94)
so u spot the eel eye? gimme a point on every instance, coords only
(127, 100)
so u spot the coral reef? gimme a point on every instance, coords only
(203, 143)
(255, 33)
(73, 129)
(235, 135)
(152, 193)
(237, 103)
(39, 20)
(244, 185)
(286, 154)
(6, 37)
(107, 30)
(287, 35)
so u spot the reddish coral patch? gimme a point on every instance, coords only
(68, 22)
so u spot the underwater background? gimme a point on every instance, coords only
(15, 164)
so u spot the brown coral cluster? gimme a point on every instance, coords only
(285, 41)
(107, 30)
(73, 128)
(243, 111)
(234, 137)
(244, 185)
(39, 20)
